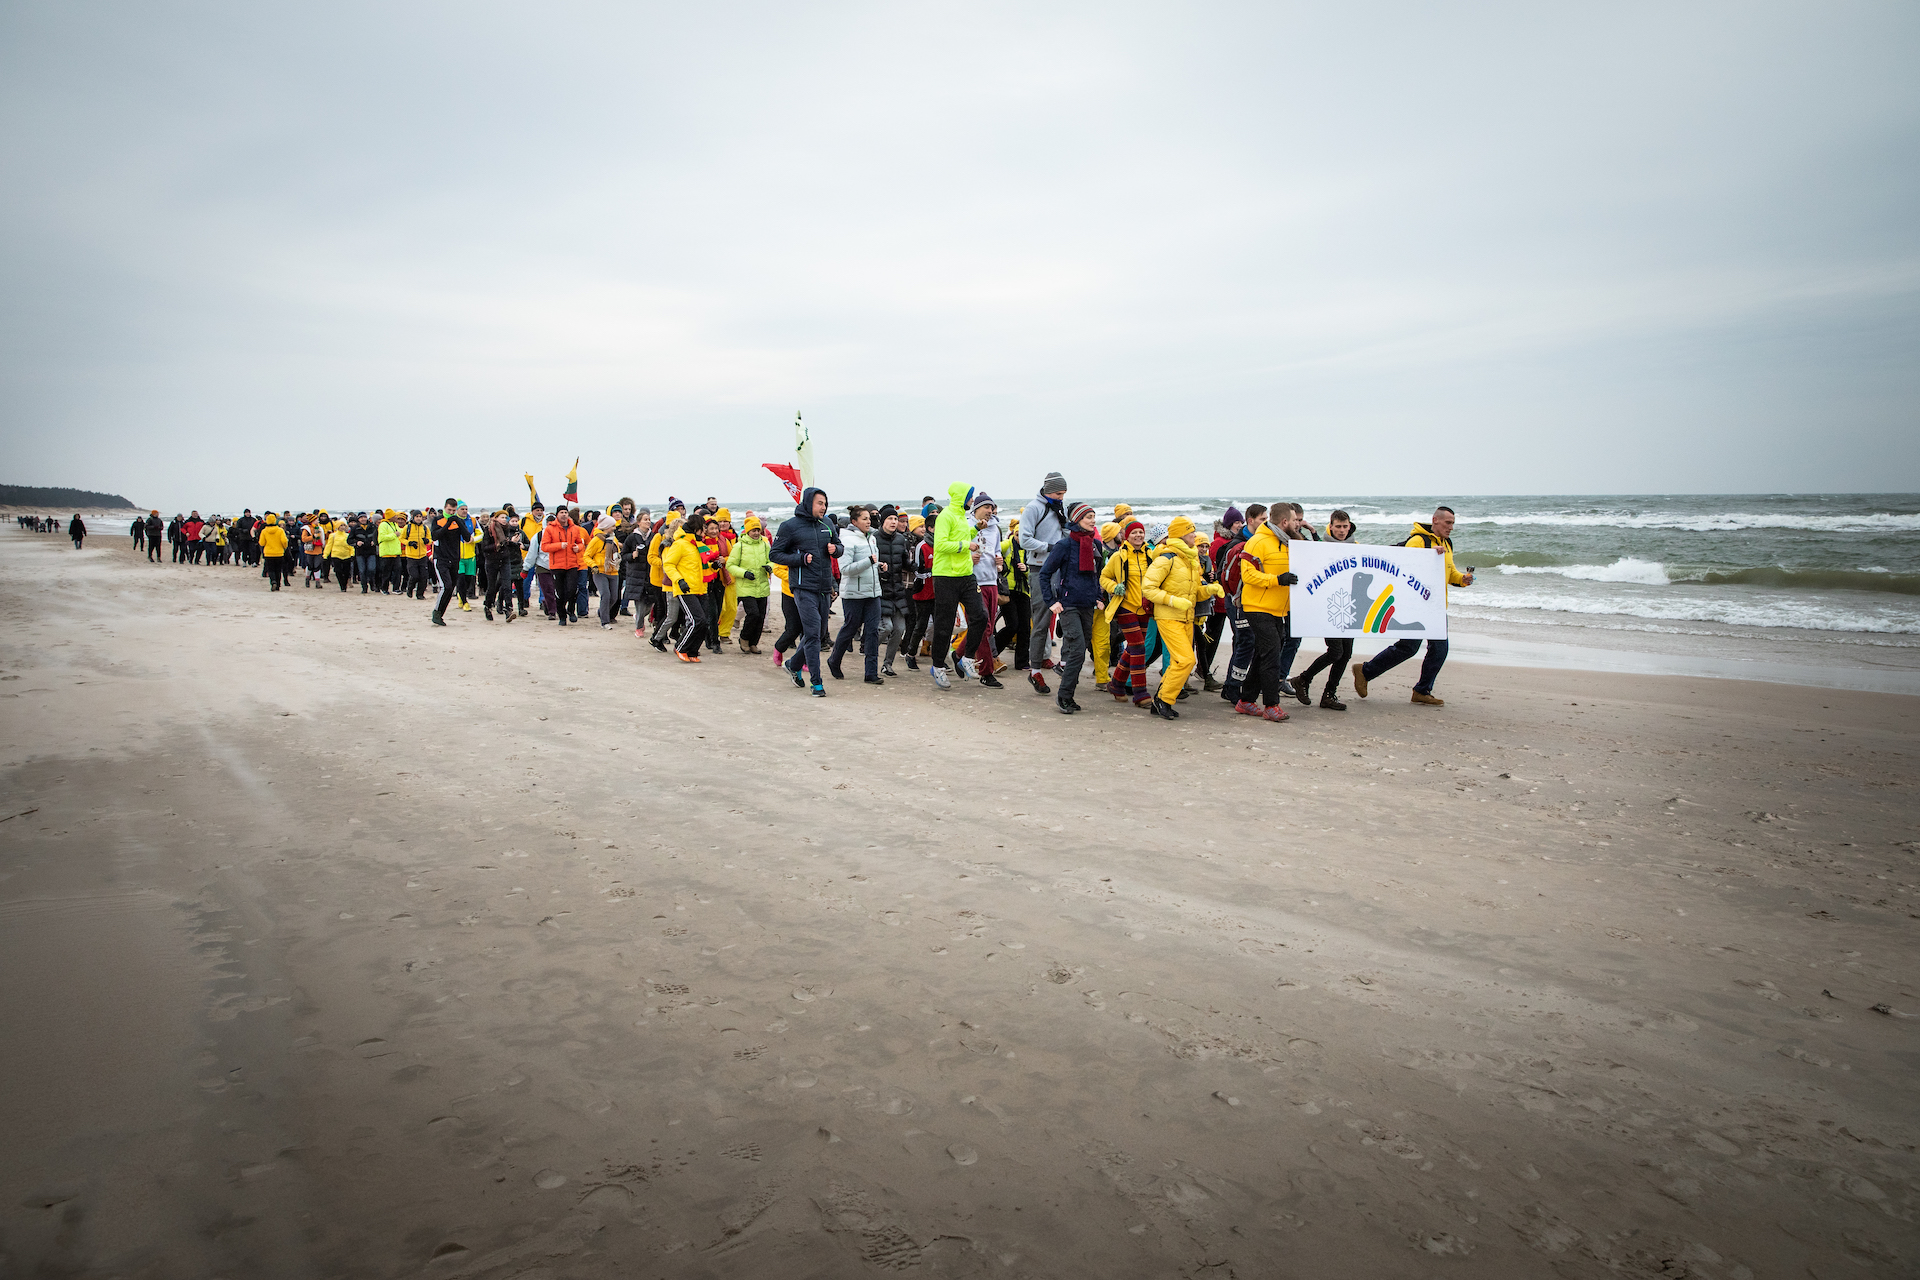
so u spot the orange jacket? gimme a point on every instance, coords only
(564, 546)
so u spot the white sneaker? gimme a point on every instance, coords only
(967, 669)
(940, 677)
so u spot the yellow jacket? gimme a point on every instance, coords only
(1422, 536)
(681, 563)
(596, 554)
(338, 548)
(273, 540)
(1125, 576)
(780, 572)
(1174, 583)
(655, 549)
(1260, 569)
(415, 542)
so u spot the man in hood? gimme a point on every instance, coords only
(954, 586)
(807, 544)
(1043, 522)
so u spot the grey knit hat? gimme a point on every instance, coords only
(1054, 483)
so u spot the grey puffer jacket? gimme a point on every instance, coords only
(859, 565)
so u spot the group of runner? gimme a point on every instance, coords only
(1053, 587)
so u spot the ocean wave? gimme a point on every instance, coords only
(1649, 573)
(1808, 615)
(1906, 584)
(1729, 522)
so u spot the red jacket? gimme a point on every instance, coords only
(565, 547)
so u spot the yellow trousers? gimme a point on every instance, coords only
(1102, 646)
(1176, 636)
(729, 609)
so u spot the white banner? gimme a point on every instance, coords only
(1347, 589)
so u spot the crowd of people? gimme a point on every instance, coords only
(1052, 588)
(76, 528)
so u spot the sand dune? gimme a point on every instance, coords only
(338, 945)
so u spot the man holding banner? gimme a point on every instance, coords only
(1434, 535)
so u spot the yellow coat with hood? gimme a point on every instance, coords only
(1126, 567)
(1174, 583)
(1423, 536)
(1260, 568)
(681, 563)
(273, 539)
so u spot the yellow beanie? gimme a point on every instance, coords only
(1121, 511)
(752, 523)
(1108, 531)
(1180, 527)
(916, 522)
(724, 516)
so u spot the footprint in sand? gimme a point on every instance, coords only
(549, 1179)
(962, 1153)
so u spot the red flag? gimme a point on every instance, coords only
(788, 477)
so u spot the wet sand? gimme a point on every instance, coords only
(337, 945)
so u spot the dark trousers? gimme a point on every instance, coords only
(919, 619)
(1076, 637)
(964, 592)
(343, 573)
(1207, 643)
(276, 568)
(862, 616)
(812, 608)
(699, 611)
(1240, 665)
(1334, 661)
(500, 586)
(416, 580)
(1040, 633)
(449, 570)
(1269, 638)
(369, 567)
(1013, 627)
(153, 550)
(1398, 652)
(754, 620)
(566, 594)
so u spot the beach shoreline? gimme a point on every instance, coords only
(354, 947)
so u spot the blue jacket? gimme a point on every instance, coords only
(1072, 586)
(801, 535)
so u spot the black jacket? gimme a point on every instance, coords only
(801, 535)
(896, 557)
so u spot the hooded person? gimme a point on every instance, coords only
(807, 544)
(747, 565)
(273, 549)
(687, 578)
(1174, 583)
(956, 587)
(155, 528)
(1071, 575)
(1125, 578)
(602, 559)
(1042, 523)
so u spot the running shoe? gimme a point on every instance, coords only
(940, 677)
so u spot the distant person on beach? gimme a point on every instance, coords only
(273, 549)
(1043, 522)
(1436, 533)
(139, 532)
(77, 530)
(154, 530)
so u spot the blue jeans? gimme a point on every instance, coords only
(1389, 658)
(813, 624)
(369, 573)
(862, 616)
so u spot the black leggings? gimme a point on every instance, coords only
(755, 620)
(790, 616)
(699, 622)
(1339, 653)
(343, 572)
(919, 619)
(949, 591)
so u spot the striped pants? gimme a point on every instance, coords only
(1129, 678)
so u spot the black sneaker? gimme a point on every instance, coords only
(1065, 706)
(834, 671)
(819, 692)
(875, 680)
(1164, 711)
(913, 664)
(439, 621)
(988, 682)
(799, 680)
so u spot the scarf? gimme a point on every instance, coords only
(1087, 541)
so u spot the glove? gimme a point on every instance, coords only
(748, 575)
(1180, 602)
(685, 588)
(1288, 579)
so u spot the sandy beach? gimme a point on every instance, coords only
(338, 945)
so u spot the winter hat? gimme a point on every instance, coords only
(1180, 527)
(606, 523)
(888, 510)
(1108, 531)
(1233, 517)
(752, 523)
(1077, 510)
(1126, 530)
(674, 504)
(982, 500)
(916, 522)
(1054, 483)
(724, 516)
(1121, 511)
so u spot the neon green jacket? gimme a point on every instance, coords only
(953, 534)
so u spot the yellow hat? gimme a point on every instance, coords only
(1109, 531)
(751, 523)
(724, 516)
(916, 522)
(1121, 511)
(1180, 527)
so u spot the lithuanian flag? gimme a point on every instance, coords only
(573, 483)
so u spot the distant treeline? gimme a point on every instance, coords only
(27, 495)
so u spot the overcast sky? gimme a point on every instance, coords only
(276, 254)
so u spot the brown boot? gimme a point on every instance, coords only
(1330, 703)
(1360, 678)
(1428, 700)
